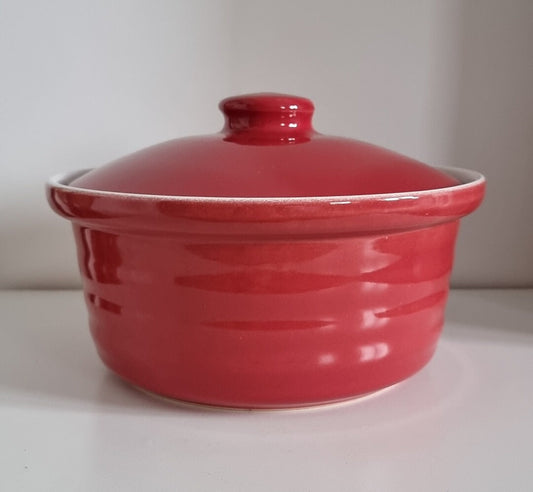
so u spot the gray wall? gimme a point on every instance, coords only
(447, 82)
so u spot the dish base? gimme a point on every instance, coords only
(191, 405)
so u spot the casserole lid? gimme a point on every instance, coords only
(267, 148)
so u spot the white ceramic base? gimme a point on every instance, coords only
(309, 407)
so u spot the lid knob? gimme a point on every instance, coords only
(280, 117)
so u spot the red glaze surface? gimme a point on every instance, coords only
(258, 324)
(265, 302)
(267, 148)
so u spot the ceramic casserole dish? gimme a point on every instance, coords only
(268, 265)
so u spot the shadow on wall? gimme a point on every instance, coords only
(38, 252)
(493, 132)
(489, 314)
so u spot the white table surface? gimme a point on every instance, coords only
(464, 423)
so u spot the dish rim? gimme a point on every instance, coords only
(468, 179)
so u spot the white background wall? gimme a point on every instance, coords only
(449, 82)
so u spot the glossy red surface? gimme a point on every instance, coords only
(266, 324)
(267, 148)
(264, 302)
